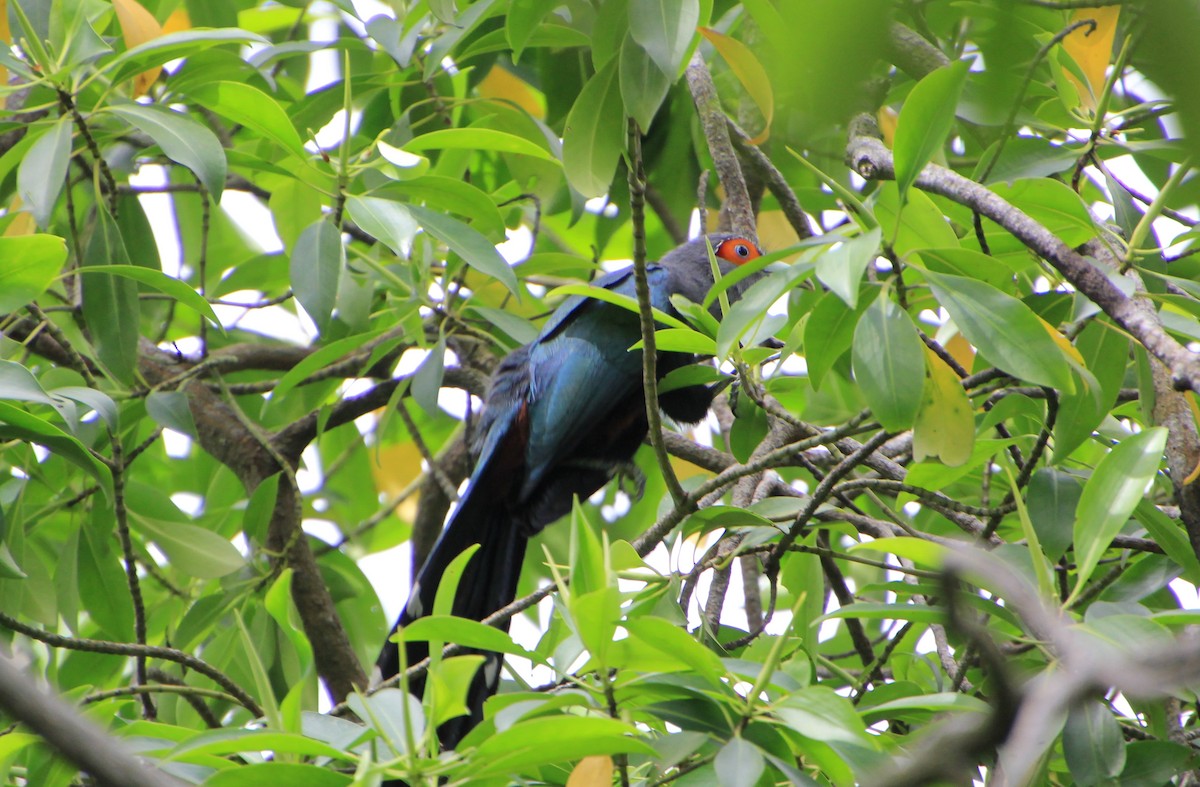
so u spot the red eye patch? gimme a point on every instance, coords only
(737, 250)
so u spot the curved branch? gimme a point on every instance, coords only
(869, 157)
(737, 213)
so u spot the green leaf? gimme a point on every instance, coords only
(444, 628)
(1004, 329)
(594, 136)
(395, 714)
(522, 20)
(925, 121)
(468, 243)
(160, 281)
(478, 139)
(170, 409)
(1053, 204)
(254, 109)
(1053, 497)
(385, 220)
(1111, 494)
(828, 334)
(184, 140)
(31, 263)
(427, 380)
(319, 359)
(841, 268)
(18, 424)
(1093, 743)
(110, 305)
(664, 28)
(889, 364)
(751, 309)
(945, 424)
(677, 643)
(44, 169)
(643, 83)
(291, 774)
(739, 763)
(315, 268)
(192, 549)
(174, 46)
(553, 739)
(616, 299)
(1105, 351)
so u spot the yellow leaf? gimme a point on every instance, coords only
(504, 85)
(775, 231)
(1092, 49)
(594, 771)
(395, 467)
(138, 26)
(1063, 343)
(945, 425)
(22, 223)
(961, 350)
(887, 124)
(177, 22)
(750, 73)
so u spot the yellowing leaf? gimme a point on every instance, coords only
(1063, 343)
(887, 124)
(23, 222)
(5, 38)
(1091, 48)
(177, 22)
(138, 26)
(395, 467)
(774, 230)
(750, 73)
(961, 350)
(594, 771)
(945, 425)
(504, 85)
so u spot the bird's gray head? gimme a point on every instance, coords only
(691, 271)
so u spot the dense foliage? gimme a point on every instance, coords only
(943, 524)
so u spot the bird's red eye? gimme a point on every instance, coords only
(737, 250)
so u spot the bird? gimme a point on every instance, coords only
(561, 415)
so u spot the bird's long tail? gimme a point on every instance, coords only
(489, 583)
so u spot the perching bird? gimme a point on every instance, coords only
(563, 413)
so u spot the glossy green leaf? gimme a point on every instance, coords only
(478, 139)
(292, 774)
(925, 121)
(190, 548)
(1053, 204)
(31, 263)
(160, 281)
(739, 763)
(522, 20)
(1111, 494)
(251, 107)
(174, 46)
(1105, 351)
(1004, 329)
(664, 28)
(110, 304)
(554, 739)
(1093, 743)
(44, 169)
(594, 136)
(315, 268)
(751, 309)
(18, 424)
(170, 410)
(386, 220)
(889, 364)
(841, 268)
(468, 243)
(1052, 497)
(643, 84)
(183, 139)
